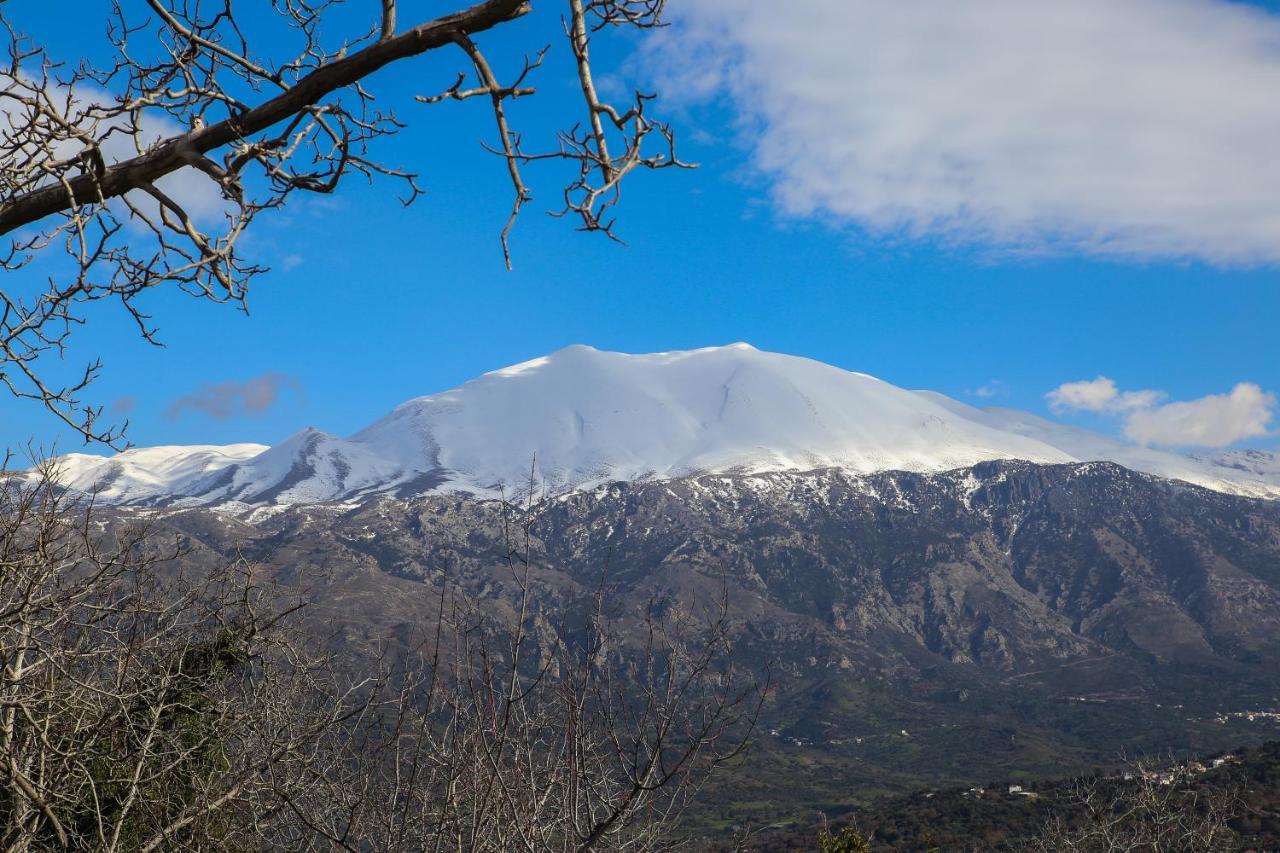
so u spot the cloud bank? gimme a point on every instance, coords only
(224, 400)
(1099, 395)
(1216, 420)
(1142, 129)
(1213, 421)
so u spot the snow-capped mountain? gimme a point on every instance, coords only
(593, 417)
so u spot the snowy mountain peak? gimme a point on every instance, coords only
(592, 416)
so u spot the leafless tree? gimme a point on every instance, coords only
(148, 170)
(147, 705)
(512, 735)
(142, 707)
(1150, 810)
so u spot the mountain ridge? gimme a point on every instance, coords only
(592, 417)
(916, 629)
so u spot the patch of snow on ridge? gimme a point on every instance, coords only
(150, 472)
(594, 417)
(1247, 473)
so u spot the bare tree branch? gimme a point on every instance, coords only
(183, 150)
(149, 170)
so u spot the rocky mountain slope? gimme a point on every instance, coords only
(594, 417)
(940, 594)
(1005, 619)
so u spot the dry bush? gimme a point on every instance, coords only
(148, 707)
(1149, 811)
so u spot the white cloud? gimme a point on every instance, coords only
(991, 390)
(1132, 128)
(1216, 420)
(1099, 395)
(1213, 421)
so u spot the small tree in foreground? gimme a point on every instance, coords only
(515, 736)
(148, 707)
(1150, 811)
(142, 707)
(847, 840)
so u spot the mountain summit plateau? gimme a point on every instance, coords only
(594, 417)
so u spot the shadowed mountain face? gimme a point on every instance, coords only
(921, 629)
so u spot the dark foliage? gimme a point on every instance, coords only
(992, 818)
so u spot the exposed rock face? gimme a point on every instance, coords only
(1007, 617)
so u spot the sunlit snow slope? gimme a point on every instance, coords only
(592, 417)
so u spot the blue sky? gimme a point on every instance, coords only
(371, 303)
